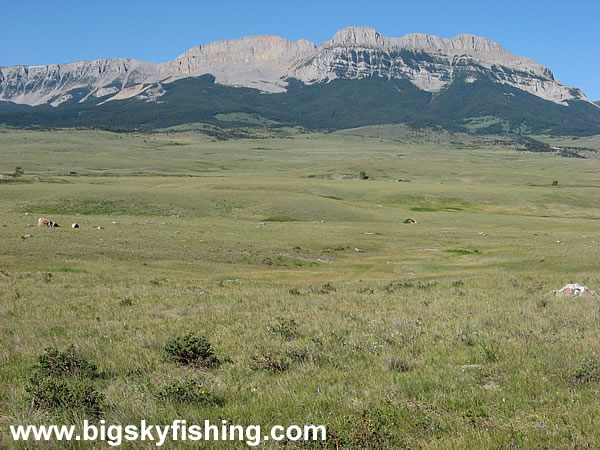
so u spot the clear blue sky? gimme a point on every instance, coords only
(565, 36)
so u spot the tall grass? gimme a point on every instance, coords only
(439, 334)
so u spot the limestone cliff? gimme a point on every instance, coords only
(266, 62)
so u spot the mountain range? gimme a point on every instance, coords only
(357, 78)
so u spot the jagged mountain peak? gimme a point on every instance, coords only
(265, 62)
(370, 37)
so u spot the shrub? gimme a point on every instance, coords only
(397, 285)
(190, 350)
(186, 391)
(544, 302)
(467, 338)
(67, 395)
(327, 288)
(53, 363)
(18, 172)
(302, 355)
(63, 382)
(126, 301)
(427, 285)
(373, 428)
(535, 287)
(157, 281)
(588, 370)
(286, 328)
(46, 277)
(270, 362)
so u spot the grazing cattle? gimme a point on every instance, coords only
(46, 223)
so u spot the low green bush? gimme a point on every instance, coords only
(69, 395)
(287, 329)
(63, 382)
(54, 363)
(190, 349)
(588, 370)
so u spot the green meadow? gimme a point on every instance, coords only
(321, 304)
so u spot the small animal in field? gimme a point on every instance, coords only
(46, 223)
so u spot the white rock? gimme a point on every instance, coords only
(576, 290)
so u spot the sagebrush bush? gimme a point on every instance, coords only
(588, 370)
(54, 363)
(63, 382)
(299, 354)
(366, 290)
(126, 301)
(272, 362)
(190, 349)
(467, 338)
(395, 286)
(70, 395)
(327, 288)
(285, 328)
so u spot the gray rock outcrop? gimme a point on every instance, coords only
(265, 62)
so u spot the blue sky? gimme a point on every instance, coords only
(564, 36)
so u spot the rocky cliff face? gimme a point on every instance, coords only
(429, 62)
(256, 61)
(35, 85)
(265, 62)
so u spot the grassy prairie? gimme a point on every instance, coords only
(322, 305)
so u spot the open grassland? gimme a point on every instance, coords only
(321, 304)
